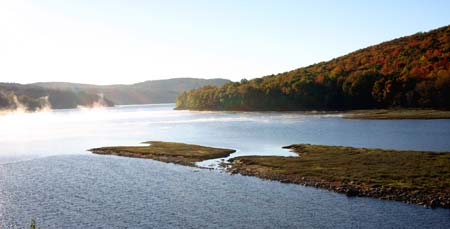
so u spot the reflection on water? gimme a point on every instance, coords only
(46, 173)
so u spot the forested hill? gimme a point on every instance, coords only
(412, 71)
(152, 91)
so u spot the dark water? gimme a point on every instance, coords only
(46, 174)
(106, 191)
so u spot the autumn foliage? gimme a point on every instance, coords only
(412, 71)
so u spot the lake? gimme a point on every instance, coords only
(46, 173)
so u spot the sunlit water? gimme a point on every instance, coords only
(46, 174)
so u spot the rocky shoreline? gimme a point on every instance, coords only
(408, 176)
(349, 188)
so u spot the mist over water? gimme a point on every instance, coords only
(19, 108)
(46, 173)
(73, 131)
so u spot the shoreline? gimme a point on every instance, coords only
(396, 114)
(362, 114)
(342, 177)
(349, 188)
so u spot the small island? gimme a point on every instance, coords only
(421, 178)
(172, 152)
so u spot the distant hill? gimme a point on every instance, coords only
(412, 71)
(61, 95)
(153, 91)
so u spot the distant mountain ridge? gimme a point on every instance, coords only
(151, 91)
(411, 71)
(62, 95)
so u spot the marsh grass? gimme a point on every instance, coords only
(409, 176)
(406, 169)
(179, 153)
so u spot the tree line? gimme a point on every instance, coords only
(408, 72)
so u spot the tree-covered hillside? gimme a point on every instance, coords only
(412, 71)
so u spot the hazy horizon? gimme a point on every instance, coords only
(120, 42)
(107, 84)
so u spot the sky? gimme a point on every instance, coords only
(112, 42)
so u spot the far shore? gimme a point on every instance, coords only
(368, 114)
(397, 114)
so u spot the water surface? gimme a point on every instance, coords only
(45, 172)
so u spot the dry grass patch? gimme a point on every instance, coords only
(179, 153)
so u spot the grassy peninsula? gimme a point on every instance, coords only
(409, 176)
(173, 152)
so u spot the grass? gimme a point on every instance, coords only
(179, 153)
(409, 176)
(33, 224)
(398, 114)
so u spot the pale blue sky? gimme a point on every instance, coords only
(108, 41)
